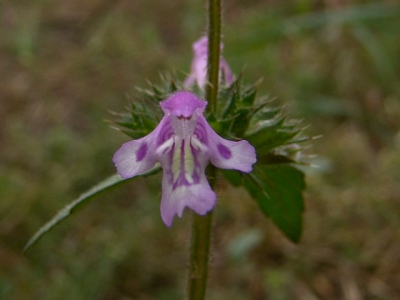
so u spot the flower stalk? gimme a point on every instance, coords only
(201, 225)
(200, 250)
(214, 53)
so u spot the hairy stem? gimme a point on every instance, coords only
(214, 53)
(200, 250)
(199, 255)
(201, 226)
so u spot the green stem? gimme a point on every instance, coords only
(201, 226)
(214, 53)
(200, 250)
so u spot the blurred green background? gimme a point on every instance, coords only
(65, 64)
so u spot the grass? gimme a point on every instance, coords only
(63, 66)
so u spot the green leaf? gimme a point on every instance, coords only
(228, 99)
(236, 107)
(82, 200)
(278, 192)
(249, 94)
(271, 134)
(234, 177)
(274, 158)
(144, 112)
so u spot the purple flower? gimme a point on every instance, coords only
(198, 72)
(183, 143)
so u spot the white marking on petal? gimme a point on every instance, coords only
(165, 147)
(189, 164)
(181, 158)
(176, 159)
(189, 178)
(196, 144)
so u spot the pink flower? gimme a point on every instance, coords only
(198, 72)
(183, 143)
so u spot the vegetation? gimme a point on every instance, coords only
(65, 65)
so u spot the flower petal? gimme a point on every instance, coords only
(138, 156)
(225, 154)
(226, 72)
(189, 80)
(183, 104)
(198, 197)
(134, 157)
(198, 69)
(184, 182)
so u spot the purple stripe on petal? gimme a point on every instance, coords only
(224, 151)
(141, 152)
